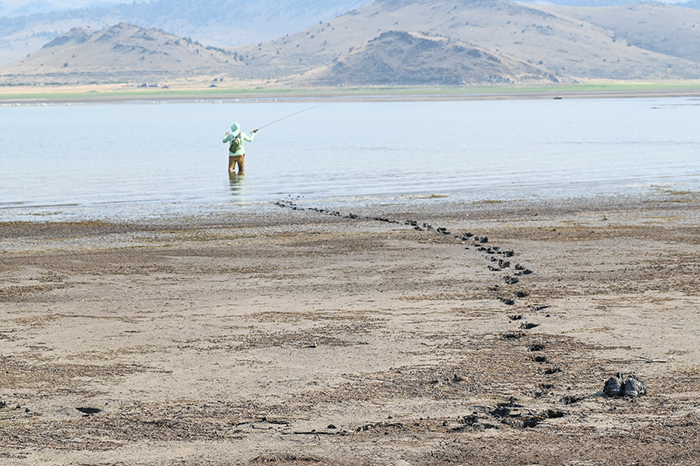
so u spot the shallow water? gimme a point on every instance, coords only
(139, 160)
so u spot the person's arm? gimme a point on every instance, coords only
(227, 138)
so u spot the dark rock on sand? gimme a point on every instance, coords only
(89, 411)
(634, 387)
(510, 280)
(614, 385)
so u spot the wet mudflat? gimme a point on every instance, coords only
(462, 334)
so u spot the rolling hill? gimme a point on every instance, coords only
(410, 59)
(220, 23)
(388, 42)
(541, 36)
(664, 29)
(121, 53)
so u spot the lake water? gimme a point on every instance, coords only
(128, 161)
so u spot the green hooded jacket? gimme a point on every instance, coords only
(235, 131)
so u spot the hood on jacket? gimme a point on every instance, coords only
(235, 129)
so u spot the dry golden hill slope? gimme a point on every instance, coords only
(666, 29)
(558, 42)
(222, 23)
(123, 52)
(402, 58)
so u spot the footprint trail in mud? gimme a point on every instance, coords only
(508, 291)
(497, 258)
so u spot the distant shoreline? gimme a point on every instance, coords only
(13, 95)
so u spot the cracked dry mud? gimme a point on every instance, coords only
(382, 336)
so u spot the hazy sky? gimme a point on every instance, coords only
(11, 4)
(8, 6)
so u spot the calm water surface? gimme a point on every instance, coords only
(139, 160)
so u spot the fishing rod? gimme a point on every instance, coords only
(288, 116)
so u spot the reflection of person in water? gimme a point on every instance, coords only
(237, 185)
(236, 151)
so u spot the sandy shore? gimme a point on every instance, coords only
(386, 336)
(247, 91)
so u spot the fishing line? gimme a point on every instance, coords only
(289, 116)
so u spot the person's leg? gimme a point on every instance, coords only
(241, 164)
(231, 164)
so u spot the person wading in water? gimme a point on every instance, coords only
(236, 151)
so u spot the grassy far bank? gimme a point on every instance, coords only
(96, 93)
